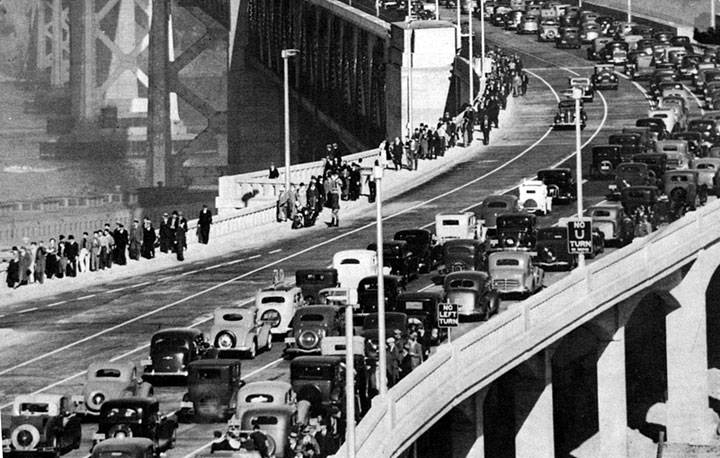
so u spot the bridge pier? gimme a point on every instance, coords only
(478, 448)
(534, 435)
(689, 418)
(612, 393)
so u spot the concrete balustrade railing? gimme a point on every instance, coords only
(234, 190)
(474, 360)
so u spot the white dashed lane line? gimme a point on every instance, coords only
(56, 303)
(31, 309)
(85, 297)
(275, 251)
(254, 257)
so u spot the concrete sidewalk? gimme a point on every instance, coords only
(394, 184)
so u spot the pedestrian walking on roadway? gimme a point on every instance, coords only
(485, 127)
(335, 185)
(397, 153)
(524, 84)
(12, 274)
(204, 222)
(180, 238)
(135, 240)
(166, 235)
(148, 243)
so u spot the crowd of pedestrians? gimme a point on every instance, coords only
(33, 262)
(342, 181)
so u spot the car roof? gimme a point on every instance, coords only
(321, 309)
(39, 398)
(188, 332)
(463, 242)
(134, 445)
(471, 274)
(356, 253)
(214, 362)
(261, 386)
(507, 254)
(262, 408)
(420, 295)
(317, 359)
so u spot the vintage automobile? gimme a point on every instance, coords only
(310, 325)
(605, 159)
(655, 125)
(615, 53)
(630, 145)
(136, 417)
(528, 25)
(393, 321)
(552, 249)
(534, 197)
(402, 261)
(269, 392)
(611, 221)
(588, 91)
(275, 421)
(495, 205)
(277, 305)
(42, 425)
(311, 281)
(421, 309)
(449, 226)
(565, 116)
(514, 272)
(604, 77)
(560, 184)
(320, 380)
(683, 186)
(213, 385)
(463, 254)
(239, 331)
(669, 117)
(708, 173)
(598, 44)
(696, 145)
(706, 127)
(474, 294)
(639, 66)
(568, 37)
(657, 164)
(516, 231)
(367, 292)
(630, 174)
(127, 447)
(634, 197)
(109, 380)
(171, 350)
(354, 265)
(676, 151)
(548, 29)
(648, 138)
(422, 244)
(589, 31)
(678, 105)
(513, 19)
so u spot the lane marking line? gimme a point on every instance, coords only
(142, 284)
(86, 297)
(255, 256)
(275, 251)
(56, 303)
(31, 309)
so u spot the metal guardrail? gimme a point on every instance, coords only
(479, 357)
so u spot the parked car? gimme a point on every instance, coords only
(604, 77)
(464, 254)
(494, 205)
(240, 331)
(683, 186)
(708, 173)
(474, 294)
(552, 249)
(560, 184)
(136, 417)
(277, 305)
(516, 231)
(515, 272)
(630, 174)
(367, 292)
(109, 380)
(402, 261)
(421, 309)
(565, 116)
(605, 159)
(422, 244)
(310, 325)
(354, 265)
(612, 222)
(534, 198)
(311, 281)
(449, 226)
(127, 447)
(42, 424)
(171, 350)
(213, 385)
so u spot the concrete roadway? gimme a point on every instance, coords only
(115, 321)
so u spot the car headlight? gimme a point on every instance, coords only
(271, 316)
(97, 399)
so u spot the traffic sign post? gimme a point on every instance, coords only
(447, 317)
(580, 236)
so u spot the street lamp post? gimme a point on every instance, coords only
(349, 383)
(629, 10)
(382, 363)
(437, 10)
(459, 25)
(577, 95)
(286, 55)
(712, 14)
(482, 40)
(471, 73)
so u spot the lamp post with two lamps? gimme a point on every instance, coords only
(577, 93)
(286, 55)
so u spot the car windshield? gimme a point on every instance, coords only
(272, 300)
(27, 408)
(705, 166)
(312, 372)
(551, 175)
(450, 222)
(259, 398)
(679, 178)
(124, 414)
(314, 278)
(460, 251)
(517, 222)
(700, 125)
(107, 373)
(409, 237)
(207, 374)
(601, 213)
(553, 233)
(312, 317)
(461, 283)
(350, 261)
(497, 204)
(507, 262)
